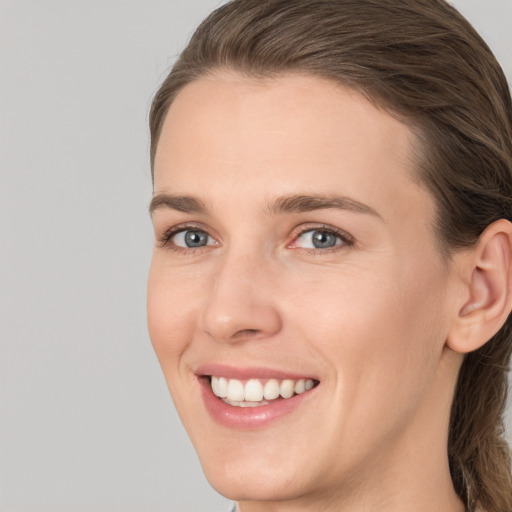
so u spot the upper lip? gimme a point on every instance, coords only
(245, 373)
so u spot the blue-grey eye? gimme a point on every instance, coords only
(318, 239)
(192, 238)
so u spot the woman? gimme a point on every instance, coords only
(331, 285)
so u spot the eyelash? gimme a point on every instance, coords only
(347, 240)
(165, 241)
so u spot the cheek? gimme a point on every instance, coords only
(169, 314)
(380, 336)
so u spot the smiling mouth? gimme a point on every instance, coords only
(257, 392)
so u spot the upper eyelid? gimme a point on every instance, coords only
(325, 227)
(188, 226)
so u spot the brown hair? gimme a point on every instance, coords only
(423, 62)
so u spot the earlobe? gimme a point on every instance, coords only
(488, 294)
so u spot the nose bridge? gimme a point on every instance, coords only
(240, 302)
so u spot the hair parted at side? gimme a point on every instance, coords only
(422, 62)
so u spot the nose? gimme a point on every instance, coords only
(241, 301)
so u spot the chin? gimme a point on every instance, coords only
(253, 482)
(250, 468)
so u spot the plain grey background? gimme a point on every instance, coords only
(86, 421)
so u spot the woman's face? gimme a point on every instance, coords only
(294, 248)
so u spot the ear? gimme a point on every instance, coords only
(487, 298)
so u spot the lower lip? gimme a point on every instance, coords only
(247, 418)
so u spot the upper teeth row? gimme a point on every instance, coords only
(254, 391)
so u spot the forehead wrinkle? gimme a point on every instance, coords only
(301, 203)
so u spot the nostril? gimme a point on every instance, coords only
(249, 332)
(246, 333)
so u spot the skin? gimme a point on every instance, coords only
(368, 318)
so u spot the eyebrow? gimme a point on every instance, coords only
(299, 203)
(307, 203)
(185, 204)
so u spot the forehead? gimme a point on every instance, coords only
(296, 132)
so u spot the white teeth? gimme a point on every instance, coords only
(271, 389)
(245, 404)
(214, 383)
(286, 388)
(300, 386)
(220, 386)
(235, 391)
(223, 387)
(253, 393)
